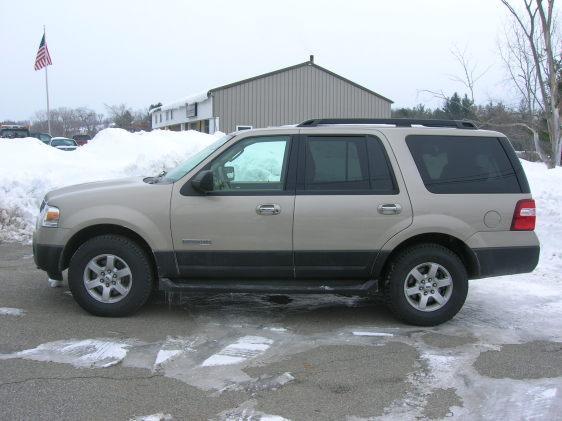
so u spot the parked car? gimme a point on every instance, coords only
(13, 131)
(407, 209)
(82, 139)
(63, 143)
(43, 137)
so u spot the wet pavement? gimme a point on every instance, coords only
(254, 356)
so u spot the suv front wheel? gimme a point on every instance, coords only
(426, 285)
(110, 275)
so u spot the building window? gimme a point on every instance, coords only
(167, 115)
(206, 126)
(238, 128)
(171, 114)
(160, 114)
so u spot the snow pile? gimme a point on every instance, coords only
(546, 187)
(29, 168)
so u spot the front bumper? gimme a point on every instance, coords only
(497, 261)
(48, 258)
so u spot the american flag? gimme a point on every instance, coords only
(43, 58)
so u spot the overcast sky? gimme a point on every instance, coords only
(141, 52)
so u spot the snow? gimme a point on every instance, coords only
(360, 333)
(202, 96)
(165, 354)
(246, 411)
(546, 187)
(86, 353)
(160, 416)
(239, 351)
(9, 311)
(29, 168)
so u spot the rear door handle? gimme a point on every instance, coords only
(389, 209)
(269, 209)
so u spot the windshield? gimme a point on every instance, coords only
(186, 166)
(63, 142)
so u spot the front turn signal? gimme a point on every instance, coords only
(51, 216)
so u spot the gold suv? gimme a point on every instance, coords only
(410, 209)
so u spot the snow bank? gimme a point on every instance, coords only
(29, 168)
(546, 186)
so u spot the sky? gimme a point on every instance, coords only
(141, 52)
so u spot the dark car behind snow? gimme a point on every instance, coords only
(13, 132)
(82, 139)
(43, 137)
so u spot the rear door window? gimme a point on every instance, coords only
(333, 163)
(463, 164)
(345, 165)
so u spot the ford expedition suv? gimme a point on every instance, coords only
(409, 210)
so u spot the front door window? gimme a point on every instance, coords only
(257, 163)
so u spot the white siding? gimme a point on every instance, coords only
(204, 112)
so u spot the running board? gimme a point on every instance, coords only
(292, 286)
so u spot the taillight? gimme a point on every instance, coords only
(525, 216)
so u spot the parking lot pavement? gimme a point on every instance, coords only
(249, 356)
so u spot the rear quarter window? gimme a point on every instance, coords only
(463, 164)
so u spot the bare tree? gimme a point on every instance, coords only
(121, 116)
(470, 73)
(518, 60)
(537, 24)
(88, 120)
(68, 121)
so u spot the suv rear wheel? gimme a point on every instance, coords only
(426, 285)
(110, 275)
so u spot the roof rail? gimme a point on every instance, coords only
(398, 122)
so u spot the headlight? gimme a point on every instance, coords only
(50, 216)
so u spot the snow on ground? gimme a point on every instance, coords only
(9, 311)
(239, 351)
(361, 333)
(546, 187)
(154, 417)
(29, 168)
(89, 353)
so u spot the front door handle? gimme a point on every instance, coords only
(269, 209)
(389, 209)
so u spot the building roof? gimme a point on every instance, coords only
(181, 102)
(296, 66)
(202, 96)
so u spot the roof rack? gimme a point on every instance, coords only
(398, 122)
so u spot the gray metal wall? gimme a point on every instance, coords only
(293, 96)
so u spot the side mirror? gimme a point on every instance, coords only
(229, 173)
(204, 181)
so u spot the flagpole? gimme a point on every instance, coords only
(47, 90)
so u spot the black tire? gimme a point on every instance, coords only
(142, 277)
(407, 260)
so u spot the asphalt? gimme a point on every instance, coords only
(299, 357)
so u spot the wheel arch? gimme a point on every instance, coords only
(92, 231)
(459, 247)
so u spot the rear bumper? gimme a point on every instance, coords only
(47, 258)
(497, 261)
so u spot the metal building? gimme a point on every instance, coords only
(286, 96)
